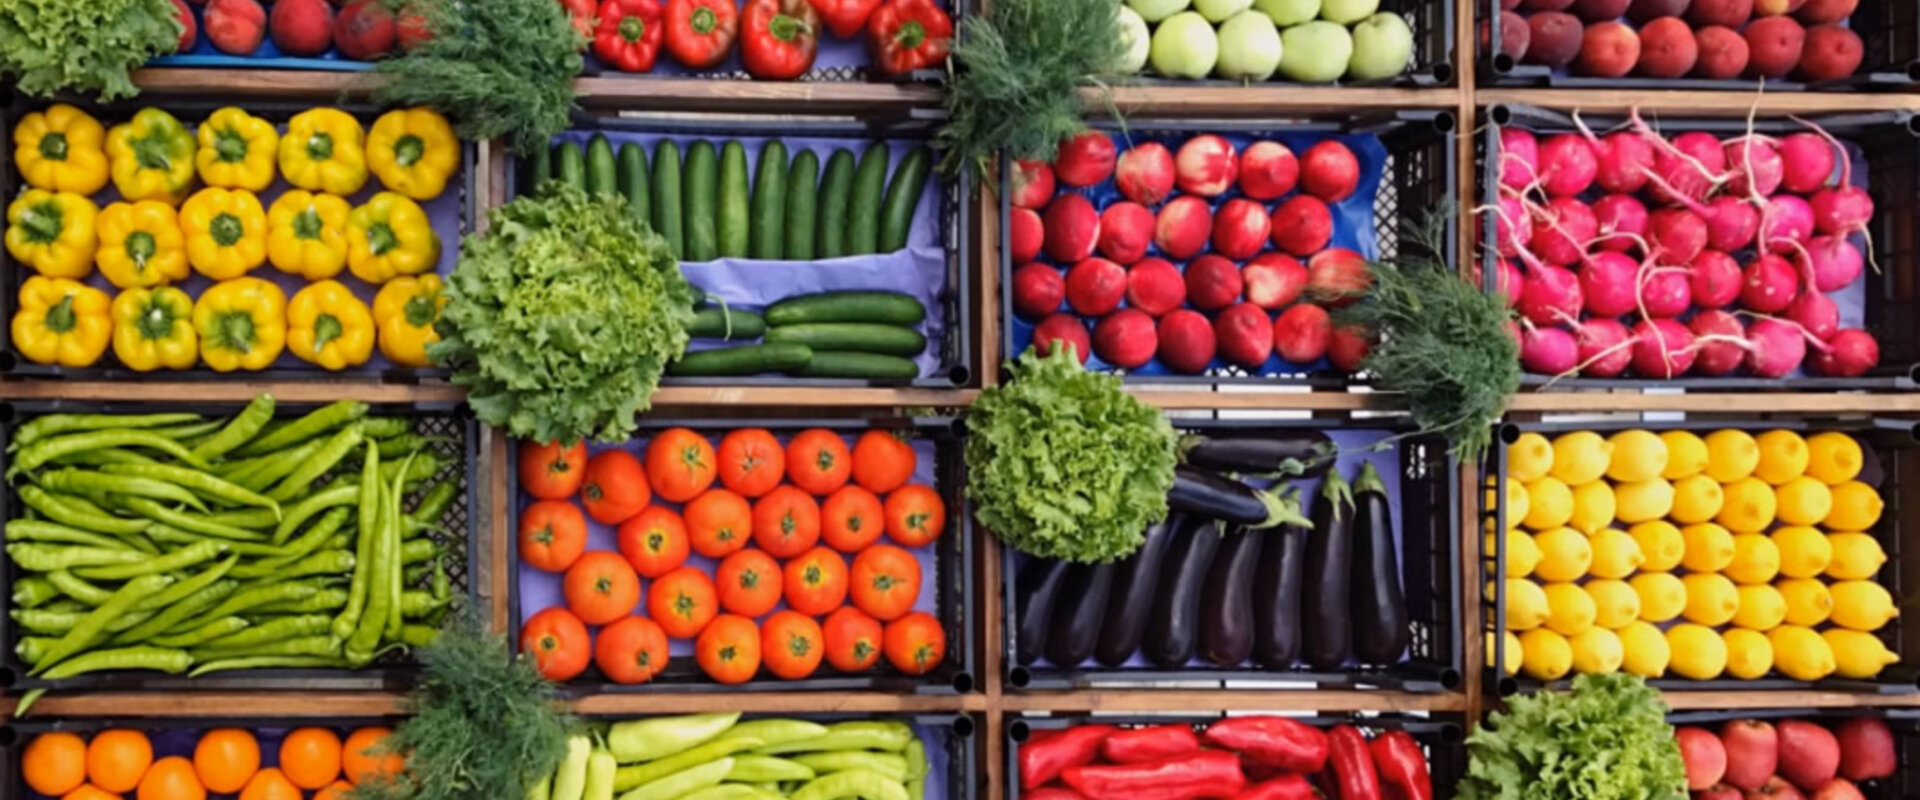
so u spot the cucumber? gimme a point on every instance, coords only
(569, 165)
(770, 201)
(633, 179)
(726, 323)
(862, 337)
(700, 181)
(802, 194)
(863, 214)
(891, 308)
(903, 196)
(744, 360)
(666, 196)
(836, 186)
(734, 237)
(831, 364)
(539, 171)
(600, 167)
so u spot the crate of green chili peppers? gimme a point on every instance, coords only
(148, 546)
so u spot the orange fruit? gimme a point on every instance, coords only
(117, 758)
(310, 757)
(270, 784)
(171, 778)
(225, 759)
(90, 792)
(55, 763)
(334, 791)
(361, 764)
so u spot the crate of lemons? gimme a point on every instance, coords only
(221, 199)
(1692, 555)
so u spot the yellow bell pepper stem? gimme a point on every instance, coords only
(388, 236)
(413, 151)
(141, 245)
(307, 234)
(405, 310)
(242, 324)
(151, 157)
(328, 326)
(324, 151)
(61, 322)
(61, 149)
(237, 150)
(226, 232)
(153, 329)
(52, 232)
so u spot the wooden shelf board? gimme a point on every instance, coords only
(258, 83)
(211, 704)
(1261, 101)
(1794, 699)
(1697, 103)
(1231, 700)
(761, 97)
(238, 390)
(775, 702)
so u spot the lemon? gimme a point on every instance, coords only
(1565, 555)
(1643, 500)
(1755, 559)
(1709, 547)
(1569, 609)
(1748, 506)
(1856, 556)
(1856, 507)
(1857, 655)
(1596, 651)
(1762, 608)
(1833, 458)
(1662, 596)
(1615, 605)
(1644, 649)
(1521, 554)
(1808, 601)
(1686, 455)
(1519, 503)
(1800, 654)
(1749, 654)
(1526, 605)
(1861, 605)
(1511, 653)
(1695, 499)
(1804, 552)
(1615, 554)
(1638, 455)
(1545, 655)
(1529, 458)
(1802, 501)
(1697, 652)
(1783, 456)
(1592, 507)
(1660, 544)
(1580, 457)
(1549, 504)
(1711, 599)
(1731, 455)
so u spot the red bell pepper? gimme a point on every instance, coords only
(779, 38)
(1043, 759)
(1155, 743)
(1353, 774)
(629, 35)
(1275, 741)
(1402, 765)
(909, 34)
(581, 12)
(1052, 793)
(1286, 787)
(1206, 774)
(846, 18)
(700, 32)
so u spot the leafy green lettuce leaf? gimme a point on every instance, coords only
(83, 46)
(1608, 739)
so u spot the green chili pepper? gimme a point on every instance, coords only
(329, 454)
(188, 521)
(767, 769)
(541, 789)
(442, 585)
(415, 551)
(325, 562)
(778, 731)
(653, 738)
(418, 635)
(885, 735)
(46, 450)
(95, 622)
(173, 535)
(401, 445)
(386, 427)
(916, 789)
(199, 482)
(179, 559)
(60, 508)
(251, 596)
(31, 649)
(313, 504)
(154, 658)
(391, 525)
(33, 591)
(239, 429)
(272, 631)
(888, 765)
(46, 620)
(252, 518)
(279, 465)
(684, 782)
(78, 481)
(648, 772)
(322, 532)
(329, 599)
(190, 586)
(223, 626)
(415, 604)
(916, 759)
(433, 506)
(33, 530)
(732, 791)
(316, 422)
(51, 424)
(368, 522)
(95, 458)
(66, 583)
(373, 617)
(189, 430)
(35, 557)
(297, 646)
(173, 613)
(266, 662)
(570, 779)
(860, 783)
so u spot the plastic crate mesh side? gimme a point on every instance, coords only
(1893, 172)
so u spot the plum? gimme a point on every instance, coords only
(1774, 45)
(1556, 38)
(1609, 50)
(1723, 53)
(1831, 52)
(1546, 5)
(301, 27)
(1126, 228)
(364, 30)
(1667, 48)
(1729, 13)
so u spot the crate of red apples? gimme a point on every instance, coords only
(1782, 755)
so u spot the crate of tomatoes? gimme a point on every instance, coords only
(101, 759)
(772, 555)
(768, 40)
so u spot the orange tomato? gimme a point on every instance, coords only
(748, 583)
(551, 472)
(853, 639)
(683, 602)
(334, 791)
(915, 515)
(558, 641)
(225, 759)
(883, 461)
(654, 541)
(786, 522)
(362, 763)
(851, 519)
(601, 587)
(816, 582)
(790, 644)
(751, 461)
(88, 791)
(553, 534)
(171, 778)
(615, 487)
(818, 461)
(632, 650)
(680, 464)
(719, 523)
(728, 650)
(310, 757)
(270, 784)
(55, 763)
(885, 581)
(915, 643)
(116, 758)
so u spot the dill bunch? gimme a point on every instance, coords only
(498, 68)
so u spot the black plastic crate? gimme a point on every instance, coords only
(171, 736)
(460, 534)
(1429, 561)
(1905, 724)
(1891, 450)
(1890, 141)
(954, 350)
(951, 578)
(1418, 177)
(1432, 64)
(1889, 31)
(191, 110)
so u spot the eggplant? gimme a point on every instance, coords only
(1226, 604)
(1135, 582)
(1034, 593)
(1077, 614)
(1215, 496)
(1381, 629)
(1173, 628)
(1327, 617)
(1276, 597)
(1278, 454)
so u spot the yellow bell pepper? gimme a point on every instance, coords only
(405, 310)
(61, 149)
(151, 157)
(413, 151)
(226, 232)
(324, 151)
(141, 245)
(390, 235)
(307, 234)
(328, 326)
(242, 324)
(237, 150)
(61, 322)
(52, 232)
(153, 328)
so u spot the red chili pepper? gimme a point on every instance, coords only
(1206, 774)
(1402, 765)
(779, 38)
(909, 34)
(629, 35)
(1275, 741)
(1043, 759)
(1052, 793)
(581, 11)
(846, 18)
(1155, 743)
(700, 32)
(1353, 773)
(1286, 787)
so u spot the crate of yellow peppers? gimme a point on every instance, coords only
(227, 239)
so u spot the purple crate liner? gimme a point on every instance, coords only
(838, 59)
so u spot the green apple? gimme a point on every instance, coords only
(1156, 10)
(1249, 47)
(1382, 46)
(1347, 12)
(1136, 39)
(1287, 13)
(1314, 52)
(1219, 10)
(1184, 46)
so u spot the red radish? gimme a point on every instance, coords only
(1664, 291)
(1548, 351)
(1065, 328)
(1086, 159)
(1843, 208)
(1302, 333)
(1038, 290)
(1519, 159)
(1095, 287)
(1329, 171)
(1302, 225)
(1688, 168)
(1608, 284)
(1714, 279)
(1240, 228)
(1731, 223)
(1186, 342)
(1126, 228)
(1348, 347)
(1513, 231)
(1072, 227)
(1850, 354)
(1807, 162)
(1268, 170)
(1623, 159)
(1145, 173)
(1755, 165)
(1212, 283)
(1206, 165)
(1183, 227)
(1338, 277)
(1032, 183)
(1676, 234)
(1786, 223)
(1603, 349)
(1506, 282)
(1662, 348)
(1776, 348)
(1550, 295)
(1768, 285)
(1567, 165)
(1125, 339)
(1245, 335)
(1720, 340)
(1155, 286)
(1622, 220)
(1513, 331)
(1025, 234)
(1816, 313)
(1835, 262)
(1562, 230)
(1274, 280)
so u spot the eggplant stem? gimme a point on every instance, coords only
(1336, 490)
(1369, 480)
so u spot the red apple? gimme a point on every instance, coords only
(1838, 789)
(1705, 757)
(1753, 752)
(1207, 166)
(1826, 12)
(1183, 227)
(1867, 749)
(1268, 170)
(1085, 159)
(1145, 173)
(1718, 791)
(1809, 754)
(1775, 789)
(1240, 228)
(1032, 184)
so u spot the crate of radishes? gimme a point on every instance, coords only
(1704, 253)
(1231, 42)
(1835, 45)
(1213, 253)
(1340, 574)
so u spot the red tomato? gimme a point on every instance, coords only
(816, 582)
(791, 645)
(751, 461)
(558, 641)
(851, 519)
(728, 650)
(915, 515)
(748, 583)
(719, 523)
(818, 461)
(916, 643)
(683, 602)
(680, 464)
(654, 541)
(551, 472)
(853, 639)
(786, 522)
(615, 488)
(632, 650)
(882, 461)
(601, 587)
(885, 581)
(552, 534)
